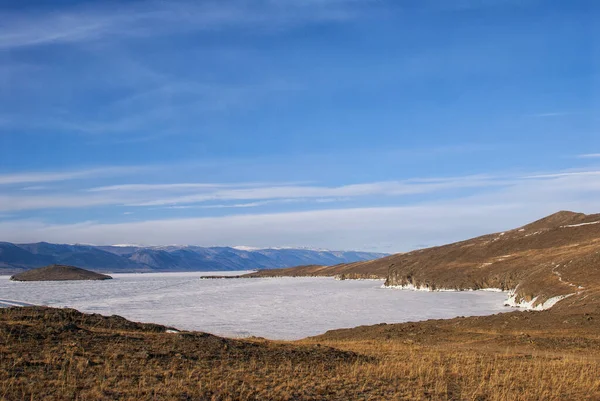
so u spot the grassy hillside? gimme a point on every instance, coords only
(61, 354)
(555, 256)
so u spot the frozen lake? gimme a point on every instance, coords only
(275, 308)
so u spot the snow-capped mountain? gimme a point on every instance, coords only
(128, 258)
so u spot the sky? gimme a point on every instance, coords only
(376, 125)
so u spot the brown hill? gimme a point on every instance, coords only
(62, 354)
(59, 273)
(556, 256)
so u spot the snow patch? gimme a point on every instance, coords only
(7, 303)
(549, 303)
(417, 288)
(581, 224)
(339, 278)
(245, 248)
(510, 301)
(412, 287)
(281, 248)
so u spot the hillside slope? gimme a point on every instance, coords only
(553, 257)
(62, 354)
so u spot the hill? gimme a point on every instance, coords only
(62, 354)
(15, 258)
(541, 263)
(59, 273)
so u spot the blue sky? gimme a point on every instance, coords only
(345, 124)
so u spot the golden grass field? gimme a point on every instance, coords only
(61, 354)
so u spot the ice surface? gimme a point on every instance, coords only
(549, 303)
(275, 308)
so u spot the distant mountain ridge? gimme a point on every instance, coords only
(134, 258)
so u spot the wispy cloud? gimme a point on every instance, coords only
(156, 106)
(246, 195)
(564, 174)
(385, 229)
(436, 220)
(143, 19)
(157, 187)
(589, 156)
(555, 114)
(185, 186)
(148, 195)
(35, 188)
(393, 188)
(249, 204)
(45, 201)
(43, 176)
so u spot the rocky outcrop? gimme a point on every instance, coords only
(540, 263)
(59, 273)
(357, 276)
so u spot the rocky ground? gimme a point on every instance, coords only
(61, 354)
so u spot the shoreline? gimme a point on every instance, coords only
(371, 284)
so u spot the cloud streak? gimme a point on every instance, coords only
(146, 19)
(348, 228)
(393, 188)
(246, 195)
(39, 177)
(162, 195)
(486, 207)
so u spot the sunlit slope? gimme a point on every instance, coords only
(555, 256)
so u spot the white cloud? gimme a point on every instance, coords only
(175, 187)
(44, 176)
(202, 195)
(589, 156)
(363, 228)
(390, 229)
(396, 228)
(564, 174)
(556, 114)
(45, 201)
(392, 188)
(155, 187)
(35, 188)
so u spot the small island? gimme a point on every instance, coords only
(59, 273)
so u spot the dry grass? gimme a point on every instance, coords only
(57, 354)
(453, 373)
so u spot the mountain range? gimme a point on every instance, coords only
(132, 258)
